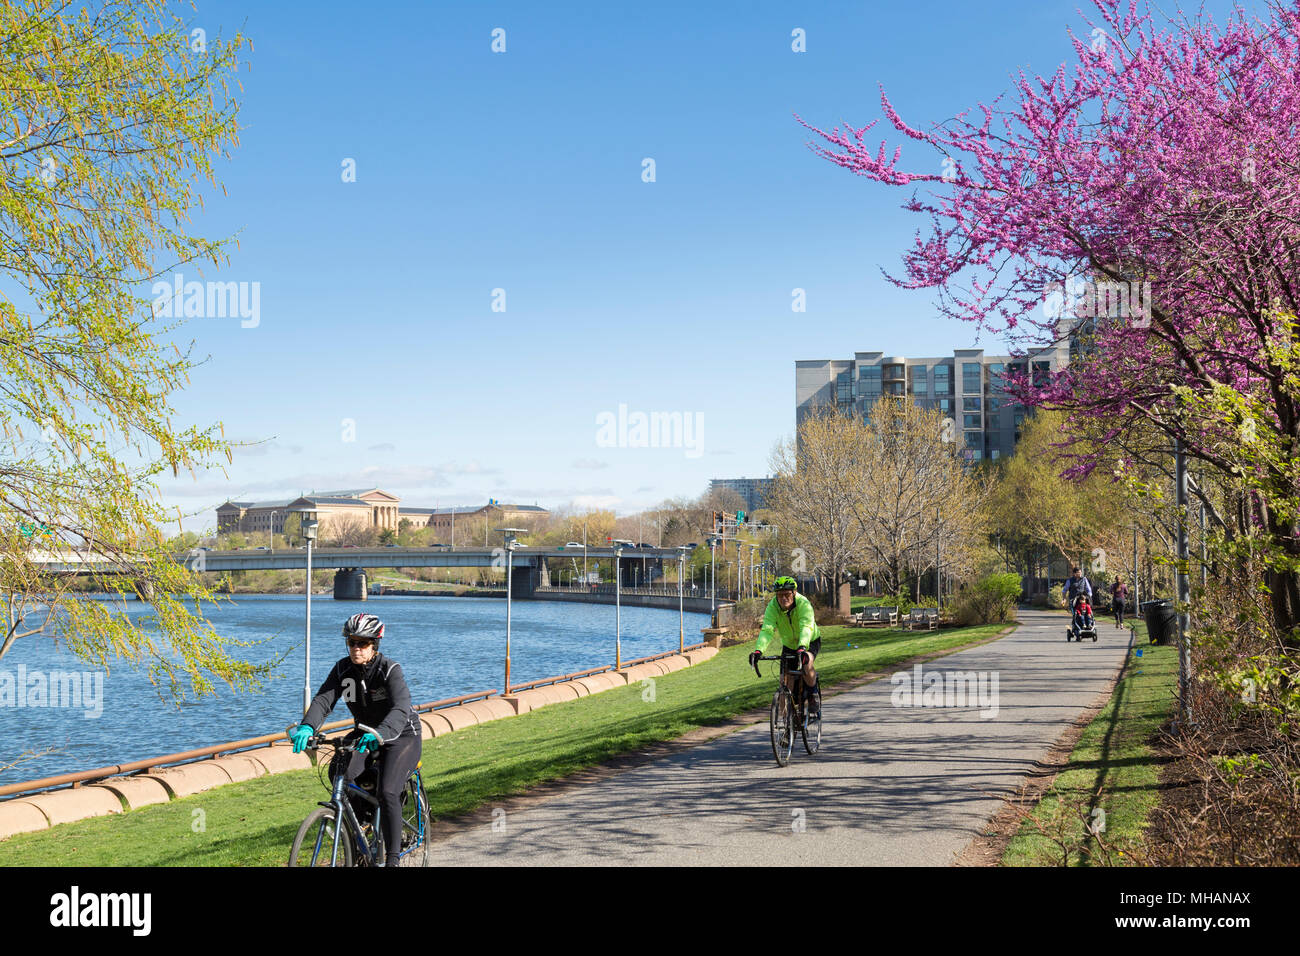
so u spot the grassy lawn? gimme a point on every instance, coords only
(253, 823)
(1112, 759)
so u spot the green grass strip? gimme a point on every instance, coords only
(1112, 769)
(253, 823)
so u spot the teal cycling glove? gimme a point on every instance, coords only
(301, 734)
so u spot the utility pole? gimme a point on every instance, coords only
(1205, 568)
(938, 559)
(1184, 593)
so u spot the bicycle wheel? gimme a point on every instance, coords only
(415, 824)
(315, 842)
(782, 726)
(812, 726)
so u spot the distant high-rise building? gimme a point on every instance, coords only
(965, 386)
(753, 490)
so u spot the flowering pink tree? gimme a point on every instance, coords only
(1153, 186)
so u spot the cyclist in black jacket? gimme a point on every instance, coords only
(376, 693)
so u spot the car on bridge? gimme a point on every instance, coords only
(574, 544)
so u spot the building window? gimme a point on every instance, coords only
(945, 405)
(970, 421)
(993, 453)
(869, 380)
(970, 404)
(943, 380)
(972, 377)
(920, 380)
(995, 402)
(843, 387)
(974, 439)
(1042, 370)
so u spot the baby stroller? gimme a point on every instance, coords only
(1082, 624)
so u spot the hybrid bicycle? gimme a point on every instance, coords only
(790, 712)
(336, 834)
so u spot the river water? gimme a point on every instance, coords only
(446, 646)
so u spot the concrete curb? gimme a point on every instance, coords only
(78, 803)
(21, 816)
(137, 791)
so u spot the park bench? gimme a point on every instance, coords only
(923, 619)
(876, 617)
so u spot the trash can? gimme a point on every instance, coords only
(1161, 620)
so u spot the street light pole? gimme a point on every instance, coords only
(713, 574)
(618, 609)
(309, 533)
(681, 599)
(510, 567)
(1184, 594)
(938, 559)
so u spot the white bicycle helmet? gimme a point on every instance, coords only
(364, 625)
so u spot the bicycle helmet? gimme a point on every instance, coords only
(364, 625)
(786, 583)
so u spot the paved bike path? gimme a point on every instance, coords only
(891, 785)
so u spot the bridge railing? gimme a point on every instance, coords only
(670, 590)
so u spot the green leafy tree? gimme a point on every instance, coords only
(113, 114)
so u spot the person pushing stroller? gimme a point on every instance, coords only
(1078, 597)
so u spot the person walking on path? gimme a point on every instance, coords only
(1118, 600)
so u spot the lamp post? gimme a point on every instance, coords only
(618, 608)
(938, 559)
(681, 598)
(510, 567)
(308, 527)
(713, 574)
(273, 514)
(1183, 587)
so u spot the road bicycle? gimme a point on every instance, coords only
(336, 834)
(790, 713)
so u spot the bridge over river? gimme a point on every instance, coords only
(530, 567)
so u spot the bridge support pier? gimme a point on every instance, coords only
(349, 584)
(523, 581)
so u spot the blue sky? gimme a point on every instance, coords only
(522, 171)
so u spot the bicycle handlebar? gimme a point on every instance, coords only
(318, 738)
(798, 670)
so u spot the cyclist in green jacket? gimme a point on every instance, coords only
(790, 615)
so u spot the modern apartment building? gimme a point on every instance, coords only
(753, 490)
(965, 386)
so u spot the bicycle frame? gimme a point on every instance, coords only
(343, 808)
